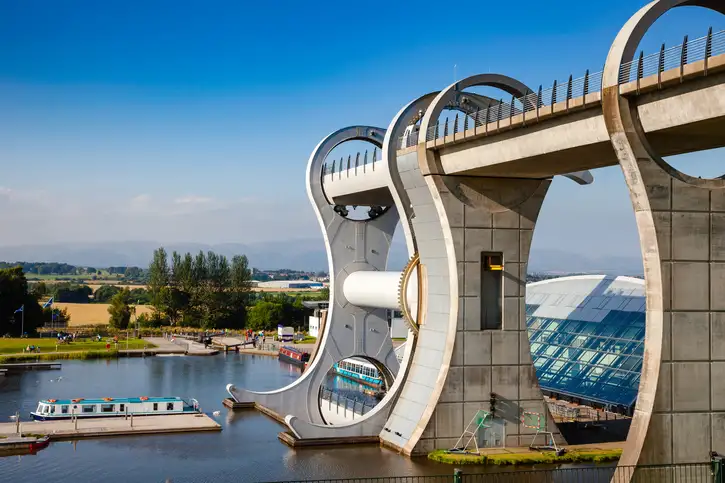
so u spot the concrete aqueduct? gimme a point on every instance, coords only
(468, 191)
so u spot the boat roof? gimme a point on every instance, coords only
(114, 400)
(362, 362)
(293, 349)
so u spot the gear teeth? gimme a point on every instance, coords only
(412, 264)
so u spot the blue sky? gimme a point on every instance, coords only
(193, 121)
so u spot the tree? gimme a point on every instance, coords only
(105, 293)
(133, 272)
(120, 310)
(159, 278)
(205, 290)
(13, 295)
(71, 293)
(39, 290)
(265, 315)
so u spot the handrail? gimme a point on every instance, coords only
(358, 407)
(690, 51)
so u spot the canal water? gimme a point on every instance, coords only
(246, 450)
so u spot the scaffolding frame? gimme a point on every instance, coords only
(477, 422)
(537, 421)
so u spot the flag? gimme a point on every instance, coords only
(48, 303)
(21, 309)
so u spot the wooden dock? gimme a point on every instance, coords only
(30, 366)
(102, 427)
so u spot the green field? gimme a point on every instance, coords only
(48, 344)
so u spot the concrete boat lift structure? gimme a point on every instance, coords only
(468, 191)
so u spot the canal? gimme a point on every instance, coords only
(246, 450)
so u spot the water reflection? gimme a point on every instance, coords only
(246, 450)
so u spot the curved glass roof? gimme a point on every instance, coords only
(587, 336)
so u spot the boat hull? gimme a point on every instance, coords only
(43, 417)
(291, 360)
(361, 378)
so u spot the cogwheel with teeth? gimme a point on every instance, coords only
(408, 271)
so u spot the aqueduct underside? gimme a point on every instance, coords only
(468, 190)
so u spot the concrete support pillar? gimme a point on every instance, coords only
(349, 330)
(680, 412)
(489, 215)
(456, 363)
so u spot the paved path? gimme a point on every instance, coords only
(181, 346)
(116, 426)
(230, 341)
(164, 346)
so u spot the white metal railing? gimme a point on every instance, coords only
(337, 167)
(686, 53)
(344, 403)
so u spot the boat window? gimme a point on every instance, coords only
(52, 410)
(169, 406)
(45, 409)
(122, 407)
(89, 408)
(64, 409)
(156, 406)
(40, 408)
(106, 408)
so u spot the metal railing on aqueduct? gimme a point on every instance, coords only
(690, 51)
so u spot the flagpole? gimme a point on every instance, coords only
(22, 321)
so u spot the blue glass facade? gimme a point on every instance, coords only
(594, 361)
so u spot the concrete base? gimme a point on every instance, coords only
(101, 427)
(290, 440)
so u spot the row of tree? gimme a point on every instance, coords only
(56, 268)
(43, 268)
(206, 290)
(76, 293)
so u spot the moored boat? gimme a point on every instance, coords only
(53, 409)
(293, 356)
(359, 370)
(22, 444)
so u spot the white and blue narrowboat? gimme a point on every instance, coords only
(107, 407)
(359, 370)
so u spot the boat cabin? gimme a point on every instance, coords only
(293, 356)
(359, 370)
(51, 409)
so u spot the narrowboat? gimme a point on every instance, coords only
(22, 444)
(107, 407)
(359, 370)
(293, 356)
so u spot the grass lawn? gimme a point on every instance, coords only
(47, 344)
(307, 340)
(528, 458)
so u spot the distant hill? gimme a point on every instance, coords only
(559, 261)
(299, 254)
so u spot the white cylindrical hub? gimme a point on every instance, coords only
(378, 290)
